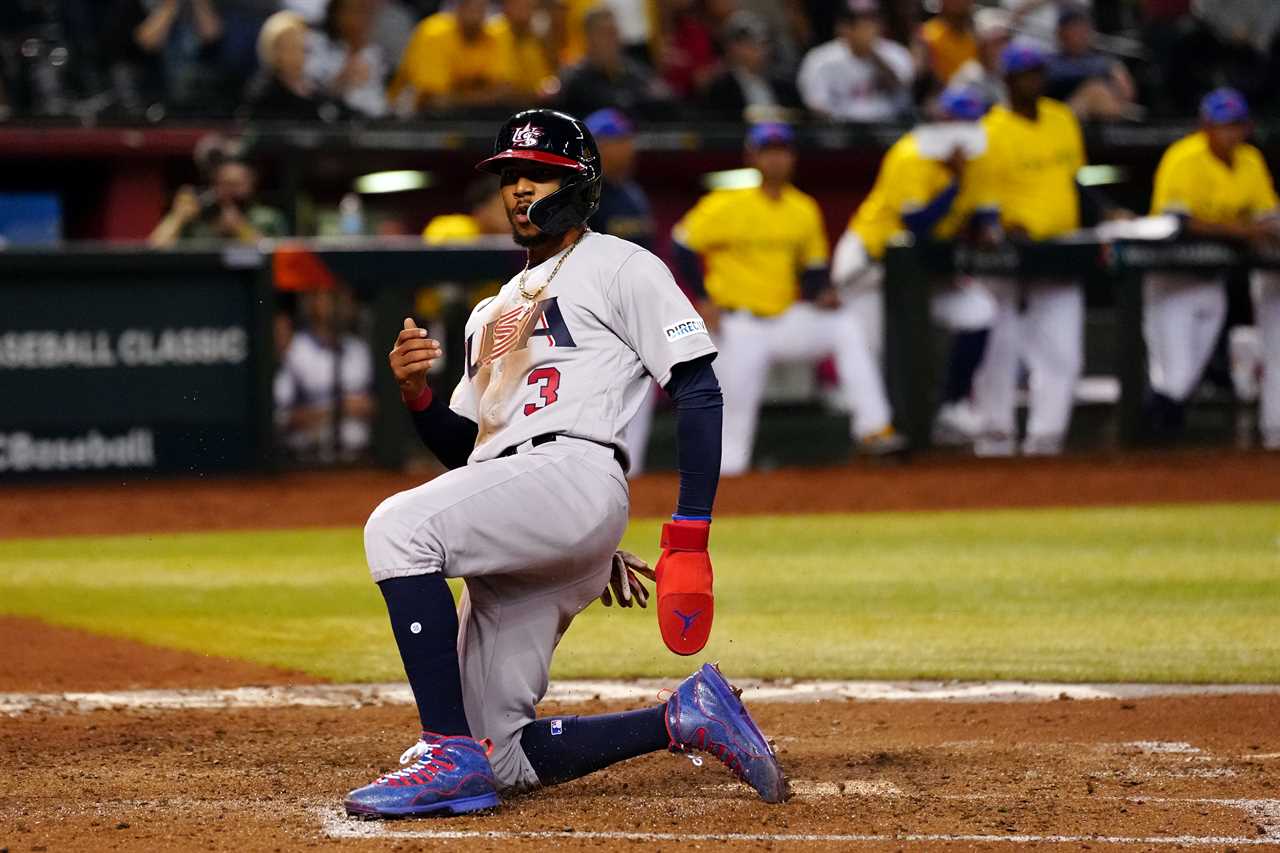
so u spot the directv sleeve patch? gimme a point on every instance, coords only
(684, 329)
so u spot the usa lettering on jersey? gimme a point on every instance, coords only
(511, 331)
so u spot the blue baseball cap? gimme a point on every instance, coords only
(609, 123)
(1224, 106)
(1019, 57)
(770, 133)
(962, 103)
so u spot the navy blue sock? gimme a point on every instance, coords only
(425, 623)
(564, 748)
(967, 349)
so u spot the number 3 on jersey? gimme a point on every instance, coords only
(547, 380)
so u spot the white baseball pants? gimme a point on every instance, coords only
(749, 344)
(1266, 309)
(1182, 314)
(1048, 336)
(533, 535)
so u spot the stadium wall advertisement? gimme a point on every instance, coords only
(123, 361)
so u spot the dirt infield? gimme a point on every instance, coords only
(347, 497)
(1198, 772)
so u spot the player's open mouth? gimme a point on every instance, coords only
(521, 215)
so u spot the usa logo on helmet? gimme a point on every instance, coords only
(526, 137)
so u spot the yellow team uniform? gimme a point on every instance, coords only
(529, 68)
(1191, 181)
(908, 181)
(948, 48)
(1029, 170)
(755, 247)
(451, 228)
(439, 61)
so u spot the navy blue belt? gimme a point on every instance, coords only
(548, 437)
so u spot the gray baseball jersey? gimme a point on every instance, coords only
(575, 359)
(533, 534)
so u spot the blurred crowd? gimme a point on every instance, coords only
(861, 61)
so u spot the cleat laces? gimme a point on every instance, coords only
(424, 767)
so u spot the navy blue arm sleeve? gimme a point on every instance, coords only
(699, 415)
(921, 222)
(447, 434)
(690, 266)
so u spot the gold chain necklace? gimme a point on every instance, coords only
(531, 295)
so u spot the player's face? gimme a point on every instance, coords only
(1026, 85)
(522, 185)
(1225, 138)
(775, 162)
(617, 157)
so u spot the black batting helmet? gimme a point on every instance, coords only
(553, 139)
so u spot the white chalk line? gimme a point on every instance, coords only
(336, 825)
(571, 692)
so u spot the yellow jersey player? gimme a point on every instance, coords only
(767, 297)
(1220, 188)
(925, 188)
(1034, 151)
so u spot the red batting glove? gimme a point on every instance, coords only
(685, 601)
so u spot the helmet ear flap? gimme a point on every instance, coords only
(568, 207)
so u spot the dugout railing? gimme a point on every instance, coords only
(1110, 272)
(127, 360)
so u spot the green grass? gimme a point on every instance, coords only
(1188, 593)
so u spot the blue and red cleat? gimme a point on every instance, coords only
(706, 714)
(448, 775)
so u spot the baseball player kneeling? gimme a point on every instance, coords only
(1220, 188)
(532, 510)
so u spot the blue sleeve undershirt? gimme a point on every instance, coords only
(699, 416)
(447, 434)
(690, 266)
(921, 222)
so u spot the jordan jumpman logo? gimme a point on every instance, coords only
(687, 620)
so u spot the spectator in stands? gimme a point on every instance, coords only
(607, 77)
(947, 41)
(1094, 85)
(984, 74)
(746, 88)
(344, 62)
(687, 55)
(452, 61)
(282, 89)
(325, 371)
(485, 214)
(1035, 22)
(1229, 42)
(859, 75)
(228, 210)
(635, 20)
(532, 73)
(166, 52)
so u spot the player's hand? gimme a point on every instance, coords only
(411, 358)
(626, 586)
(710, 314)
(955, 163)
